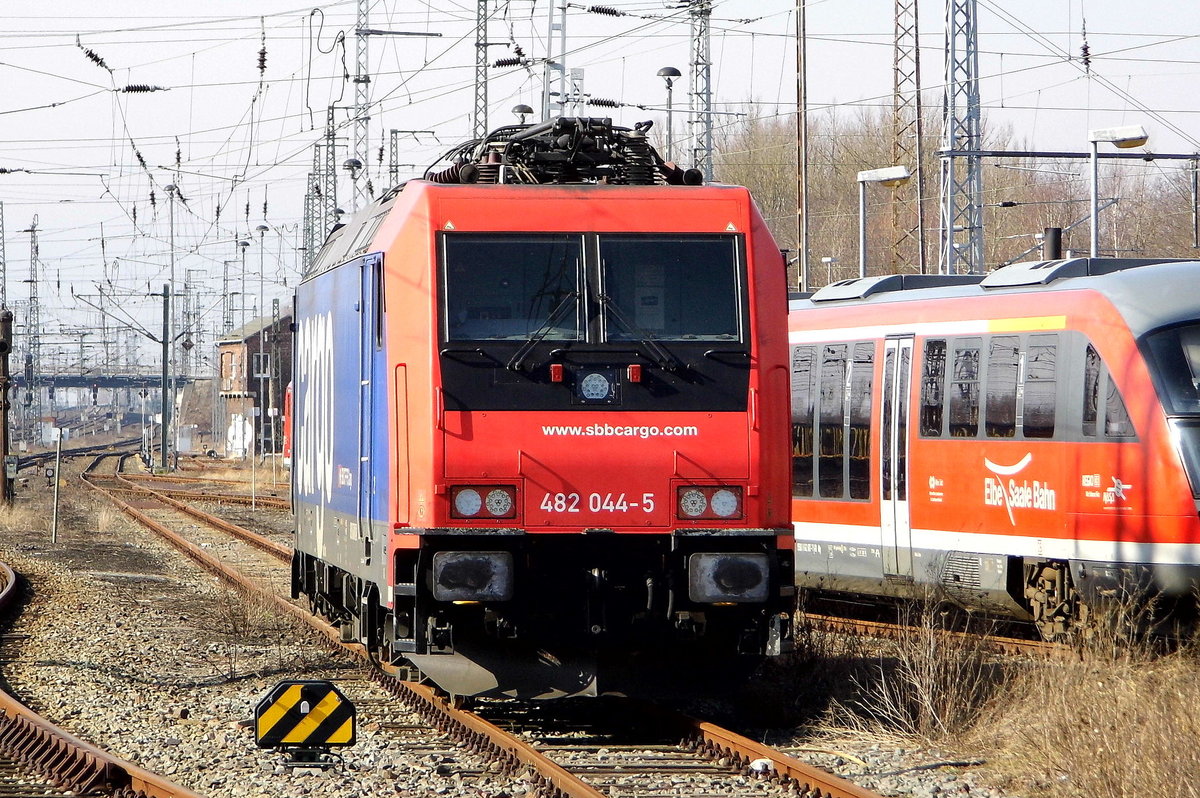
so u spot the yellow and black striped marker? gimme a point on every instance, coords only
(306, 713)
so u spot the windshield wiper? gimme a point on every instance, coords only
(658, 353)
(560, 310)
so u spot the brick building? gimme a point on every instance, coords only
(254, 366)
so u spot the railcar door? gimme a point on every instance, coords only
(894, 520)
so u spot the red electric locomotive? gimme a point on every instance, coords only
(1024, 443)
(540, 412)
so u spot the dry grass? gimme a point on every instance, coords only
(239, 621)
(1116, 718)
(20, 516)
(109, 519)
(1100, 729)
(924, 685)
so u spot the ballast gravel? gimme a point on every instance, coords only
(131, 647)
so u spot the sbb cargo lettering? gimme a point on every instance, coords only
(619, 431)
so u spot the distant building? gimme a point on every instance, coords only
(254, 365)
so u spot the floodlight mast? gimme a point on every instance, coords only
(1123, 138)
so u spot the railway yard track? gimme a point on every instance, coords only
(39, 759)
(414, 741)
(646, 762)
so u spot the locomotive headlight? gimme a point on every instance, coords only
(724, 503)
(472, 576)
(692, 503)
(467, 502)
(483, 501)
(728, 577)
(499, 502)
(697, 502)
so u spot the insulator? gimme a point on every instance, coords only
(262, 60)
(517, 49)
(141, 88)
(153, 199)
(95, 58)
(506, 62)
(457, 173)
(140, 159)
(604, 103)
(607, 11)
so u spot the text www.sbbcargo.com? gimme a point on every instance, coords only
(619, 431)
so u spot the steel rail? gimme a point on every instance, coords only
(271, 547)
(63, 758)
(265, 502)
(892, 631)
(216, 480)
(552, 777)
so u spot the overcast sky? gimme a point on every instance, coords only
(95, 152)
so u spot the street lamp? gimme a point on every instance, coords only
(669, 74)
(1123, 138)
(829, 262)
(890, 176)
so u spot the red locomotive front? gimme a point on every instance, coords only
(586, 409)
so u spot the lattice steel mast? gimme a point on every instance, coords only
(908, 209)
(362, 82)
(481, 70)
(962, 175)
(701, 89)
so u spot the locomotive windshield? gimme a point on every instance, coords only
(672, 288)
(512, 287)
(599, 287)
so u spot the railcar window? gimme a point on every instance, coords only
(1117, 423)
(861, 377)
(1102, 402)
(1091, 390)
(1189, 445)
(1041, 366)
(803, 363)
(1175, 356)
(933, 375)
(885, 464)
(830, 478)
(902, 428)
(511, 286)
(671, 288)
(964, 389)
(1000, 416)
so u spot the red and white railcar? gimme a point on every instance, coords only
(1023, 443)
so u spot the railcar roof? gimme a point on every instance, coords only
(1149, 293)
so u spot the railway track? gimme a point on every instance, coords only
(892, 631)
(588, 760)
(267, 496)
(39, 759)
